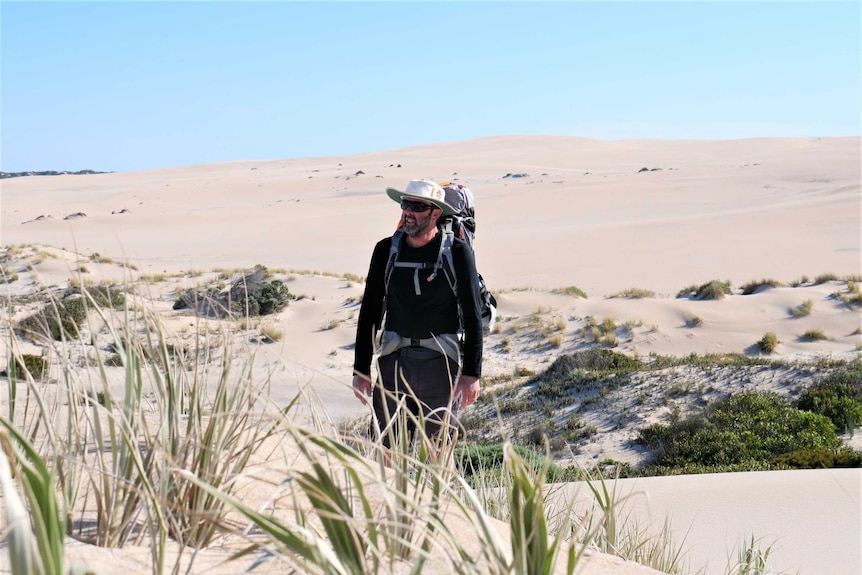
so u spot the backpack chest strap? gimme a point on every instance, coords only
(444, 260)
(416, 266)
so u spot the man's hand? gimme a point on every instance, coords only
(362, 387)
(468, 389)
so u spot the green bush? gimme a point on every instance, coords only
(768, 342)
(253, 294)
(487, 460)
(837, 398)
(751, 427)
(58, 320)
(714, 289)
(597, 359)
(104, 296)
(35, 365)
(819, 459)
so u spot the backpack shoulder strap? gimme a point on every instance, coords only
(444, 261)
(394, 248)
(445, 255)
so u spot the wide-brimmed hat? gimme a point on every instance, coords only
(424, 190)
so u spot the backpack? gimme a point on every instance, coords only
(461, 225)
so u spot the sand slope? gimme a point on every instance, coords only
(553, 212)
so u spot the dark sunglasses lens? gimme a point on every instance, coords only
(414, 206)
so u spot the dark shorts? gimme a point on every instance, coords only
(424, 379)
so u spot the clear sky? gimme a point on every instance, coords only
(134, 85)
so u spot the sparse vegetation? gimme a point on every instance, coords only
(852, 296)
(768, 342)
(695, 321)
(192, 504)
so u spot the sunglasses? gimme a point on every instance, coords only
(416, 207)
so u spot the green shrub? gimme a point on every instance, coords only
(477, 461)
(597, 359)
(819, 459)
(768, 342)
(35, 365)
(253, 294)
(746, 428)
(714, 289)
(61, 319)
(836, 398)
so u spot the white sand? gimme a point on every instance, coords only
(585, 216)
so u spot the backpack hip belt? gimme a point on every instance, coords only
(445, 343)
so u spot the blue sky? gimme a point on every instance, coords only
(136, 85)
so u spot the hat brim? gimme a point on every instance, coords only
(396, 196)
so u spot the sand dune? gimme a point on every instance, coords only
(552, 212)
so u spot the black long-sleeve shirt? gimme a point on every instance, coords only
(433, 312)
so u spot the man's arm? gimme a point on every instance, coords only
(370, 317)
(471, 308)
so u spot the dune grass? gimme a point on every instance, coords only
(158, 460)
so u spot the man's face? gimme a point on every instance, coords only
(415, 223)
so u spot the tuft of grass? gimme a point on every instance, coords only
(573, 291)
(814, 335)
(802, 309)
(634, 293)
(695, 321)
(768, 342)
(711, 290)
(36, 539)
(823, 278)
(752, 286)
(271, 332)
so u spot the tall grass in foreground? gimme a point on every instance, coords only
(157, 452)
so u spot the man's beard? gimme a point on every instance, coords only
(418, 226)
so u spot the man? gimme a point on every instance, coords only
(421, 355)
